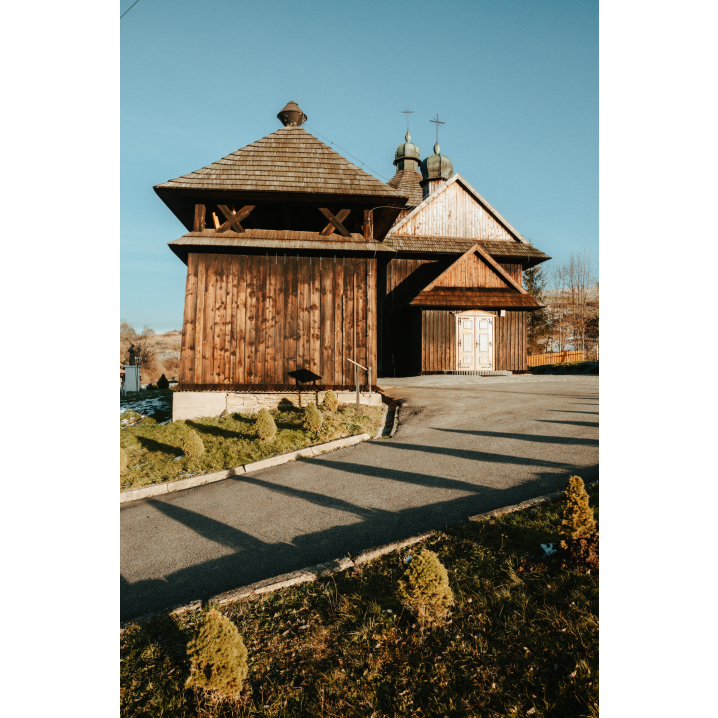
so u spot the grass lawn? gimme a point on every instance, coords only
(154, 444)
(522, 639)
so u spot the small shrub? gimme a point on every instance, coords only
(163, 382)
(330, 400)
(313, 418)
(218, 656)
(151, 387)
(577, 514)
(425, 589)
(193, 445)
(123, 460)
(265, 426)
(583, 552)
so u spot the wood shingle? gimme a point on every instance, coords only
(289, 160)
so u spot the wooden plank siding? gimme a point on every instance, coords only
(438, 345)
(252, 319)
(456, 213)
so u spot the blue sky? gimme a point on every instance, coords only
(516, 83)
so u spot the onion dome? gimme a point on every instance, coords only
(436, 166)
(292, 115)
(407, 150)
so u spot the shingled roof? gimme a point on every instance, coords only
(524, 253)
(288, 160)
(407, 182)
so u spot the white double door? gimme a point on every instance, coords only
(475, 341)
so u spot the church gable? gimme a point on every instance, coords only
(471, 270)
(475, 269)
(456, 210)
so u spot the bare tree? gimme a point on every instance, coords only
(573, 284)
(142, 345)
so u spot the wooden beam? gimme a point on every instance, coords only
(199, 210)
(335, 221)
(499, 269)
(215, 220)
(368, 224)
(234, 218)
(341, 216)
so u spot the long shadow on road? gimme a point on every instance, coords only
(253, 559)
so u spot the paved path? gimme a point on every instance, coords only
(464, 445)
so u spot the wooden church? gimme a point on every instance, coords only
(306, 273)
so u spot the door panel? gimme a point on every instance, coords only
(466, 343)
(475, 342)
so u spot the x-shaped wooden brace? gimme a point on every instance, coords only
(233, 218)
(335, 222)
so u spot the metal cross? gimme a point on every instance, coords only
(437, 122)
(407, 112)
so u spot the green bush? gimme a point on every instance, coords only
(123, 460)
(265, 426)
(425, 589)
(218, 656)
(193, 445)
(163, 382)
(330, 400)
(313, 418)
(577, 518)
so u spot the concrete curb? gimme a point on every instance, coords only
(396, 420)
(545, 499)
(380, 430)
(192, 481)
(322, 570)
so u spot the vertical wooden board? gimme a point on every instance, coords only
(227, 324)
(186, 373)
(315, 326)
(251, 320)
(348, 295)
(199, 314)
(280, 329)
(290, 322)
(241, 319)
(361, 337)
(327, 321)
(209, 308)
(374, 305)
(452, 343)
(303, 314)
(232, 317)
(271, 314)
(219, 314)
(261, 343)
(338, 292)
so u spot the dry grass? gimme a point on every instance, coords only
(155, 453)
(522, 639)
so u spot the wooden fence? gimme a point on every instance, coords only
(554, 358)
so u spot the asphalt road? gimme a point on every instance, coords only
(465, 445)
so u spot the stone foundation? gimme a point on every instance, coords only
(195, 404)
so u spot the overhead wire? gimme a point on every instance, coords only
(128, 9)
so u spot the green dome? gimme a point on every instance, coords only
(436, 166)
(407, 149)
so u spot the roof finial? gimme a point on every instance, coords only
(407, 112)
(292, 114)
(437, 122)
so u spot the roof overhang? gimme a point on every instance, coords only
(256, 241)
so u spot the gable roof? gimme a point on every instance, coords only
(288, 160)
(475, 280)
(436, 194)
(525, 254)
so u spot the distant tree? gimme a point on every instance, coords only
(143, 347)
(539, 322)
